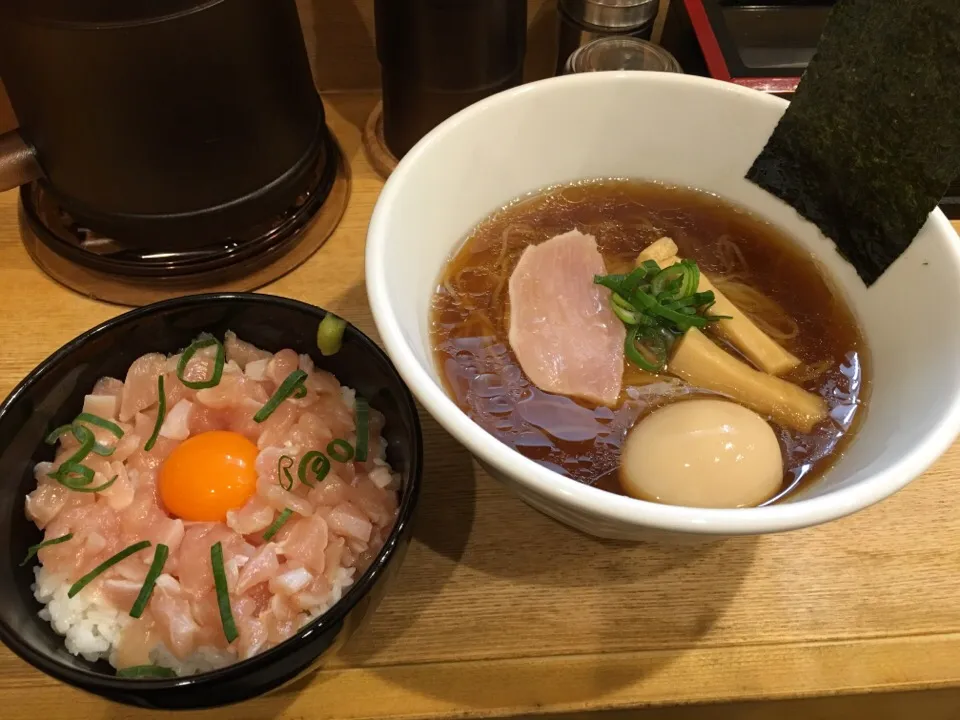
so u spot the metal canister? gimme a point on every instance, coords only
(583, 21)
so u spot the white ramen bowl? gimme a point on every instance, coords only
(680, 130)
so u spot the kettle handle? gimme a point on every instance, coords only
(18, 161)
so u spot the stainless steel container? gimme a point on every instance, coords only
(583, 21)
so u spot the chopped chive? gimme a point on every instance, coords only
(83, 485)
(54, 435)
(100, 423)
(330, 334)
(277, 524)
(86, 440)
(628, 317)
(145, 672)
(340, 450)
(102, 450)
(284, 476)
(72, 474)
(223, 594)
(293, 381)
(156, 567)
(106, 565)
(97, 448)
(300, 392)
(34, 549)
(314, 462)
(653, 342)
(363, 428)
(161, 413)
(199, 344)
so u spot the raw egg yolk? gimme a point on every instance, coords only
(207, 475)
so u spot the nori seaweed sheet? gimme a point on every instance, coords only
(871, 140)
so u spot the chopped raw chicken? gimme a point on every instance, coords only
(562, 330)
(275, 586)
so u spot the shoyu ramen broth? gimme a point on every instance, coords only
(571, 321)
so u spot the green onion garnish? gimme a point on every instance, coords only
(314, 462)
(100, 423)
(199, 344)
(34, 549)
(293, 381)
(79, 477)
(277, 524)
(156, 567)
(330, 334)
(71, 473)
(340, 450)
(97, 448)
(161, 413)
(145, 672)
(284, 477)
(656, 304)
(106, 565)
(223, 594)
(654, 344)
(112, 427)
(86, 440)
(363, 428)
(54, 435)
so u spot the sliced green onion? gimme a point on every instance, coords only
(672, 276)
(102, 450)
(78, 479)
(654, 343)
(286, 389)
(283, 472)
(199, 344)
(161, 413)
(629, 317)
(300, 392)
(223, 594)
(145, 672)
(55, 435)
(363, 428)
(34, 549)
(330, 334)
(611, 282)
(650, 304)
(651, 266)
(106, 565)
(97, 448)
(340, 450)
(156, 567)
(72, 474)
(86, 440)
(100, 423)
(277, 524)
(316, 463)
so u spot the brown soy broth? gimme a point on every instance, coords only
(470, 321)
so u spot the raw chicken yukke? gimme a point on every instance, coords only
(208, 506)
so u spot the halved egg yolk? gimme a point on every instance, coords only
(207, 475)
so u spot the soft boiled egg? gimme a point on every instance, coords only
(702, 453)
(207, 475)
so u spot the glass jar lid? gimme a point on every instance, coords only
(621, 53)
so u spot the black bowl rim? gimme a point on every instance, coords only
(88, 680)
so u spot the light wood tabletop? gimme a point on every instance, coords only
(499, 611)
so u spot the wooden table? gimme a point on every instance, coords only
(499, 611)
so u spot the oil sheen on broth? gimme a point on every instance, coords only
(763, 272)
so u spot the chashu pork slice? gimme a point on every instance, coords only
(562, 329)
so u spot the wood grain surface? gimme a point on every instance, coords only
(499, 611)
